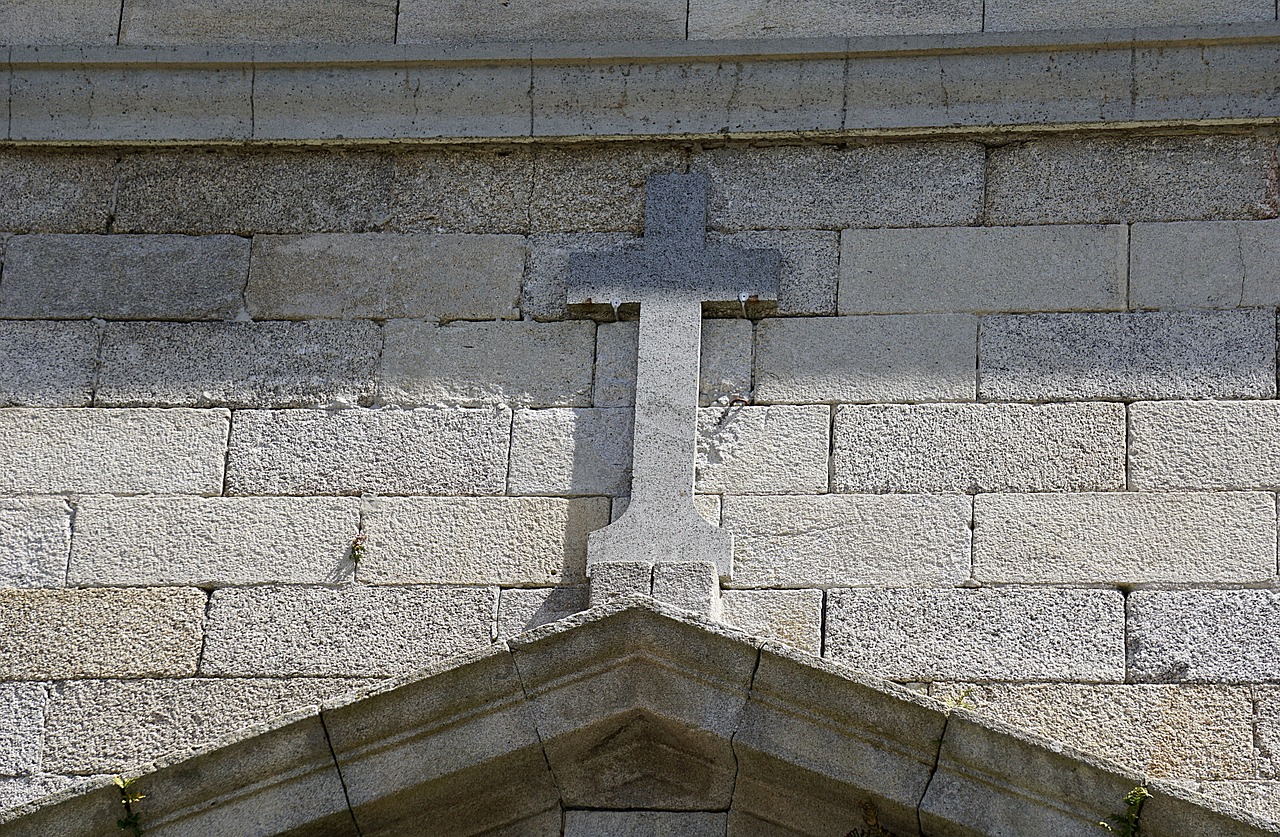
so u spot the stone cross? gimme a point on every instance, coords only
(670, 276)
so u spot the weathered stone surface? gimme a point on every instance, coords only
(20, 790)
(571, 452)
(1009, 15)
(22, 713)
(1262, 799)
(304, 364)
(109, 726)
(706, 505)
(1109, 180)
(830, 187)
(1204, 444)
(59, 22)
(427, 451)
(596, 188)
(867, 359)
(823, 18)
(688, 585)
(455, 21)
(834, 540)
(479, 540)
(643, 824)
(526, 364)
(127, 277)
(54, 634)
(546, 285)
(78, 451)
(1205, 264)
(47, 364)
(810, 266)
(1005, 634)
(1150, 354)
(1168, 731)
(979, 447)
(346, 631)
(793, 616)
(477, 190)
(212, 541)
(1125, 538)
(724, 374)
(520, 610)
(243, 21)
(763, 450)
(56, 191)
(1214, 636)
(35, 540)
(611, 579)
(1266, 703)
(259, 190)
(1038, 268)
(429, 276)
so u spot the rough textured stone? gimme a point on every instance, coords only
(979, 447)
(1108, 180)
(1024, 634)
(867, 359)
(1266, 702)
(126, 277)
(520, 610)
(35, 540)
(479, 540)
(243, 21)
(1204, 444)
(238, 364)
(1205, 264)
(431, 276)
(810, 266)
(454, 21)
(350, 631)
(109, 726)
(706, 505)
(763, 450)
(22, 713)
(524, 364)
(428, 451)
(75, 451)
(831, 187)
(477, 190)
(1048, 268)
(1262, 799)
(56, 191)
(54, 634)
(643, 824)
(1152, 354)
(1199, 732)
(59, 22)
(546, 285)
(47, 364)
(688, 585)
(793, 616)
(258, 190)
(596, 188)
(823, 18)
(1010, 15)
(611, 579)
(724, 373)
(1214, 636)
(830, 540)
(212, 541)
(571, 452)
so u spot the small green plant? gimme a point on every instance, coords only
(131, 821)
(358, 547)
(1129, 824)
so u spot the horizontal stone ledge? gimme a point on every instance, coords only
(898, 85)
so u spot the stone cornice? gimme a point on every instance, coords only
(1226, 75)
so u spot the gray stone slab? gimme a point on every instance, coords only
(22, 713)
(253, 190)
(1265, 701)
(1007, 634)
(1011, 15)
(596, 188)
(1109, 180)
(19, 790)
(441, 277)
(571, 452)
(1261, 798)
(243, 22)
(724, 373)
(1125, 538)
(1044, 268)
(931, 357)
(480, 189)
(1202, 354)
(47, 364)
(427, 451)
(1204, 444)
(546, 284)
(479, 540)
(346, 631)
(764, 450)
(461, 21)
(1229, 83)
(979, 447)
(691, 586)
(643, 824)
(613, 579)
(76, 451)
(304, 364)
(1196, 636)
(56, 191)
(60, 22)
(520, 610)
(792, 616)
(824, 18)
(527, 364)
(810, 266)
(1205, 264)
(862, 540)
(212, 541)
(831, 187)
(57, 634)
(124, 277)
(35, 540)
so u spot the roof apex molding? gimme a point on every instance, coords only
(631, 706)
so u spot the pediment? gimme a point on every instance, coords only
(631, 719)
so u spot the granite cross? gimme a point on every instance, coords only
(671, 275)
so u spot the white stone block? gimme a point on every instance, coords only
(825, 18)
(763, 450)
(1204, 636)
(22, 720)
(1009, 15)
(793, 616)
(35, 540)
(1205, 264)
(1204, 444)
(573, 451)
(520, 610)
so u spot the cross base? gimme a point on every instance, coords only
(688, 585)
